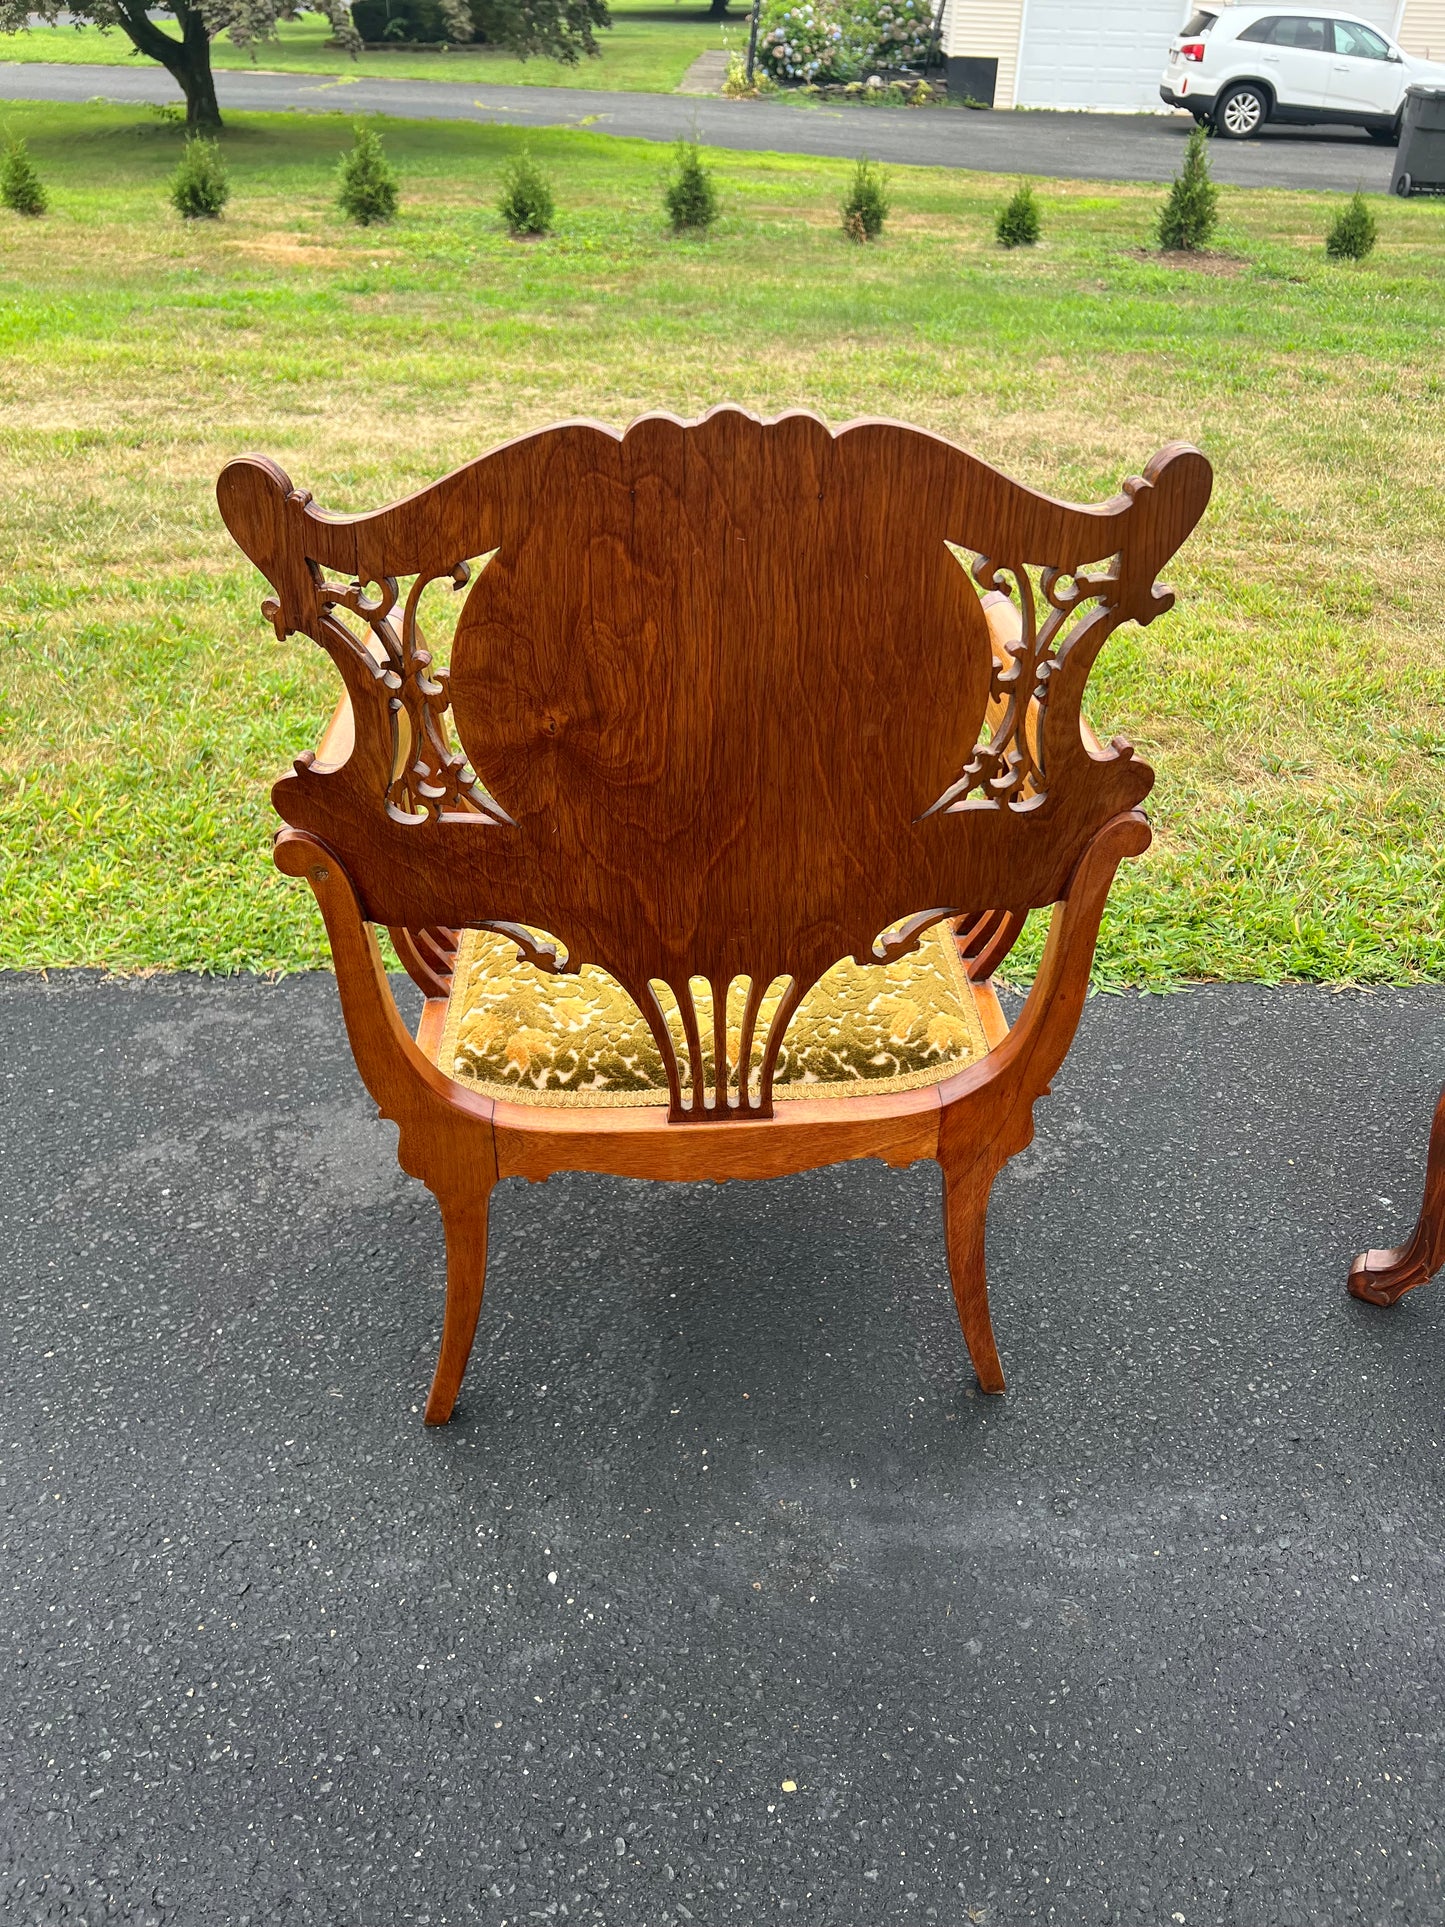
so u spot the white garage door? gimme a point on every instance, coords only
(1095, 53)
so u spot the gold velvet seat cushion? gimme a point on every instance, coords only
(514, 1032)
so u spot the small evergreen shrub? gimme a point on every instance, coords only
(1353, 232)
(1188, 216)
(526, 203)
(20, 185)
(199, 188)
(865, 205)
(1019, 223)
(365, 183)
(690, 197)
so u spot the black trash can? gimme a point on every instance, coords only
(1420, 157)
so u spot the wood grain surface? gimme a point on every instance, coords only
(732, 700)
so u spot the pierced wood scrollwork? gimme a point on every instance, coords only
(744, 713)
(692, 742)
(901, 939)
(1008, 767)
(428, 776)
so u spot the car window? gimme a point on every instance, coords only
(1363, 42)
(1262, 30)
(1196, 23)
(1301, 31)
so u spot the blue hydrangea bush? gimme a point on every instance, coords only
(895, 33)
(805, 44)
(816, 42)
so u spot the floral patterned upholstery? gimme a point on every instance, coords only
(515, 1032)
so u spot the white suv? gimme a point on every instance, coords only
(1237, 67)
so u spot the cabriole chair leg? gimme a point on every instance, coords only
(465, 1222)
(965, 1215)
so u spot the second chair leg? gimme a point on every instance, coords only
(965, 1216)
(1382, 1277)
(465, 1221)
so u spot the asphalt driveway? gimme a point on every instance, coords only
(724, 1599)
(1112, 147)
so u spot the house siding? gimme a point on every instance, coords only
(1422, 30)
(988, 30)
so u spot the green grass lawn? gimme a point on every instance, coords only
(1294, 704)
(648, 48)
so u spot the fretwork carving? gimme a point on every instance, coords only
(728, 706)
(1007, 768)
(744, 716)
(428, 776)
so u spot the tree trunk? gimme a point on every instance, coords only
(202, 110)
(718, 10)
(187, 60)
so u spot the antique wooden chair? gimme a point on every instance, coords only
(769, 743)
(1383, 1277)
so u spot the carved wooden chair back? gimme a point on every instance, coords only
(728, 704)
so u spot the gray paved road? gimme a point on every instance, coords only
(1161, 1636)
(1121, 147)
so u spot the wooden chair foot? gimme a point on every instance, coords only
(1383, 1277)
(466, 1231)
(965, 1216)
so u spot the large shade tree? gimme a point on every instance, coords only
(561, 29)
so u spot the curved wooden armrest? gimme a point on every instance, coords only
(1005, 624)
(1046, 1024)
(434, 1114)
(338, 739)
(429, 1030)
(1026, 1059)
(987, 941)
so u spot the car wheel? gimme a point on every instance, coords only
(1386, 136)
(1201, 120)
(1241, 112)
